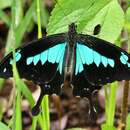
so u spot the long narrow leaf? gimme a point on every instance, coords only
(5, 18)
(3, 126)
(24, 24)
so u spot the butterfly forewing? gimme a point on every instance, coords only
(101, 61)
(40, 61)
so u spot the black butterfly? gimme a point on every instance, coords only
(82, 61)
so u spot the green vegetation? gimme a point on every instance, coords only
(87, 14)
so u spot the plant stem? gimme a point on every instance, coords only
(39, 19)
(112, 104)
(45, 108)
(45, 104)
(124, 108)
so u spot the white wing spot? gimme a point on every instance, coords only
(4, 70)
(86, 89)
(47, 86)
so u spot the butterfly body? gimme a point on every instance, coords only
(82, 61)
(70, 53)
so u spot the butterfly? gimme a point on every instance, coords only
(84, 62)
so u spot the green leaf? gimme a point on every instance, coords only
(3, 126)
(34, 123)
(45, 110)
(16, 10)
(66, 12)
(24, 24)
(87, 14)
(20, 30)
(5, 3)
(106, 127)
(17, 117)
(111, 23)
(4, 17)
(128, 14)
(1, 83)
(44, 15)
(128, 122)
(127, 19)
(111, 104)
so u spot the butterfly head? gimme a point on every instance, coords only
(72, 28)
(71, 34)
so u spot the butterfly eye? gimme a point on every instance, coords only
(97, 29)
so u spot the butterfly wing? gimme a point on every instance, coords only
(101, 61)
(39, 61)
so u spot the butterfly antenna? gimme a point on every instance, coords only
(36, 109)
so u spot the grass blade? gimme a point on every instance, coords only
(24, 24)
(5, 18)
(17, 119)
(45, 106)
(110, 107)
(3, 126)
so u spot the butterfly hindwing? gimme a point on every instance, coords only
(101, 61)
(82, 87)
